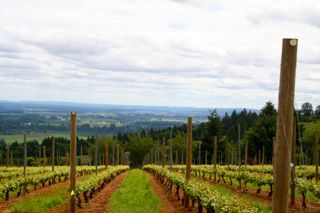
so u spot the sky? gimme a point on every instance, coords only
(197, 53)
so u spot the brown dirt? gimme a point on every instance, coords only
(99, 202)
(4, 205)
(171, 203)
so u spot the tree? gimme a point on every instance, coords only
(317, 112)
(263, 131)
(306, 109)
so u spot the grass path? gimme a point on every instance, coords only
(135, 195)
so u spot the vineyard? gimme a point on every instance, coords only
(163, 106)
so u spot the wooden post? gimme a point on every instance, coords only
(293, 164)
(273, 151)
(52, 155)
(284, 126)
(246, 155)
(163, 154)
(199, 153)
(73, 172)
(96, 153)
(177, 157)
(215, 147)
(118, 154)
(239, 148)
(39, 157)
(11, 158)
(188, 158)
(113, 153)
(171, 157)
(106, 152)
(81, 155)
(317, 157)
(8, 155)
(24, 155)
(263, 155)
(206, 157)
(182, 160)
(44, 156)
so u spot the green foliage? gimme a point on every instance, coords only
(135, 195)
(263, 131)
(138, 146)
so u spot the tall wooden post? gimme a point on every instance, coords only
(8, 155)
(24, 155)
(188, 158)
(96, 153)
(284, 126)
(73, 155)
(317, 157)
(106, 153)
(293, 164)
(118, 154)
(52, 155)
(263, 156)
(239, 148)
(215, 149)
(81, 155)
(273, 151)
(206, 157)
(199, 153)
(44, 156)
(113, 153)
(177, 157)
(246, 155)
(171, 157)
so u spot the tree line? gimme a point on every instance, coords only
(151, 144)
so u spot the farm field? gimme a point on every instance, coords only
(154, 189)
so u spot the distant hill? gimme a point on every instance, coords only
(197, 113)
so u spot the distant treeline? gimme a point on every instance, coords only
(257, 130)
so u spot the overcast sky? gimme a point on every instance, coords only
(156, 52)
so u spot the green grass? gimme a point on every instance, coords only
(135, 195)
(42, 203)
(35, 136)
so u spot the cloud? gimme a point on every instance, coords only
(182, 53)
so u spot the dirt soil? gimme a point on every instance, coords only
(171, 203)
(99, 202)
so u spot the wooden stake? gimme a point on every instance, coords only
(206, 157)
(8, 155)
(118, 154)
(171, 157)
(81, 155)
(293, 165)
(24, 155)
(317, 157)
(215, 148)
(73, 172)
(96, 153)
(246, 155)
(239, 148)
(52, 155)
(177, 157)
(106, 153)
(44, 156)
(273, 151)
(11, 158)
(188, 158)
(284, 126)
(263, 155)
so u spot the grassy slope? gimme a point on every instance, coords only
(135, 195)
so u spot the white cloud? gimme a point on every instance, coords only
(185, 53)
